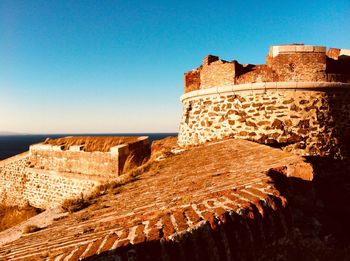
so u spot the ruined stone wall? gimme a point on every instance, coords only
(258, 73)
(104, 164)
(307, 119)
(217, 73)
(284, 63)
(21, 185)
(91, 163)
(333, 53)
(192, 80)
(299, 66)
(48, 175)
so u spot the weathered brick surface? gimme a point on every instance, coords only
(211, 202)
(220, 73)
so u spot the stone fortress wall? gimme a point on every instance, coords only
(76, 160)
(47, 175)
(298, 100)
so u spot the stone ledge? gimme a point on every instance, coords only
(290, 49)
(70, 175)
(345, 52)
(264, 86)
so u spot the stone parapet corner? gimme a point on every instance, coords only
(76, 148)
(119, 149)
(40, 146)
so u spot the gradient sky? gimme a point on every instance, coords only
(117, 66)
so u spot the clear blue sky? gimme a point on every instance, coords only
(117, 66)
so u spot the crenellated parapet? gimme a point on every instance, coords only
(299, 101)
(284, 63)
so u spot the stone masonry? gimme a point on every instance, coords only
(299, 100)
(75, 160)
(20, 185)
(47, 175)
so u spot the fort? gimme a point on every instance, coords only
(299, 100)
(217, 191)
(49, 174)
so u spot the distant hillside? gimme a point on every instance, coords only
(5, 133)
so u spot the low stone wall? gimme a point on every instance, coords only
(20, 185)
(48, 175)
(74, 160)
(50, 157)
(304, 118)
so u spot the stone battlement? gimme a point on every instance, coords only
(284, 63)
(299, 101)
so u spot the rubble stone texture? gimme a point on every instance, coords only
(298, 100)
(20, 185)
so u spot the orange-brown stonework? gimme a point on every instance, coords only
(48, 174)
(75, 159)
(215, 202)
(284, 63)
(303, 122)
(298, 100)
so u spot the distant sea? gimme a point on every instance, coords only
(11, 145)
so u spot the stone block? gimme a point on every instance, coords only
(301, 170)
(273, 51)
(304, 48)
(242, 87)
(76, 148)
(225, 89)
(40, 146)
(143, 139)
(319, 49)
(345, 52)
(270, 85)
(286, 49)
(210, 59)
(57, 148)
(286, 85)
(119, 150)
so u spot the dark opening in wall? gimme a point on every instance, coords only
(188, 109)
(292, 67)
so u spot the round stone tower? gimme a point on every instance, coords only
(299, 101)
